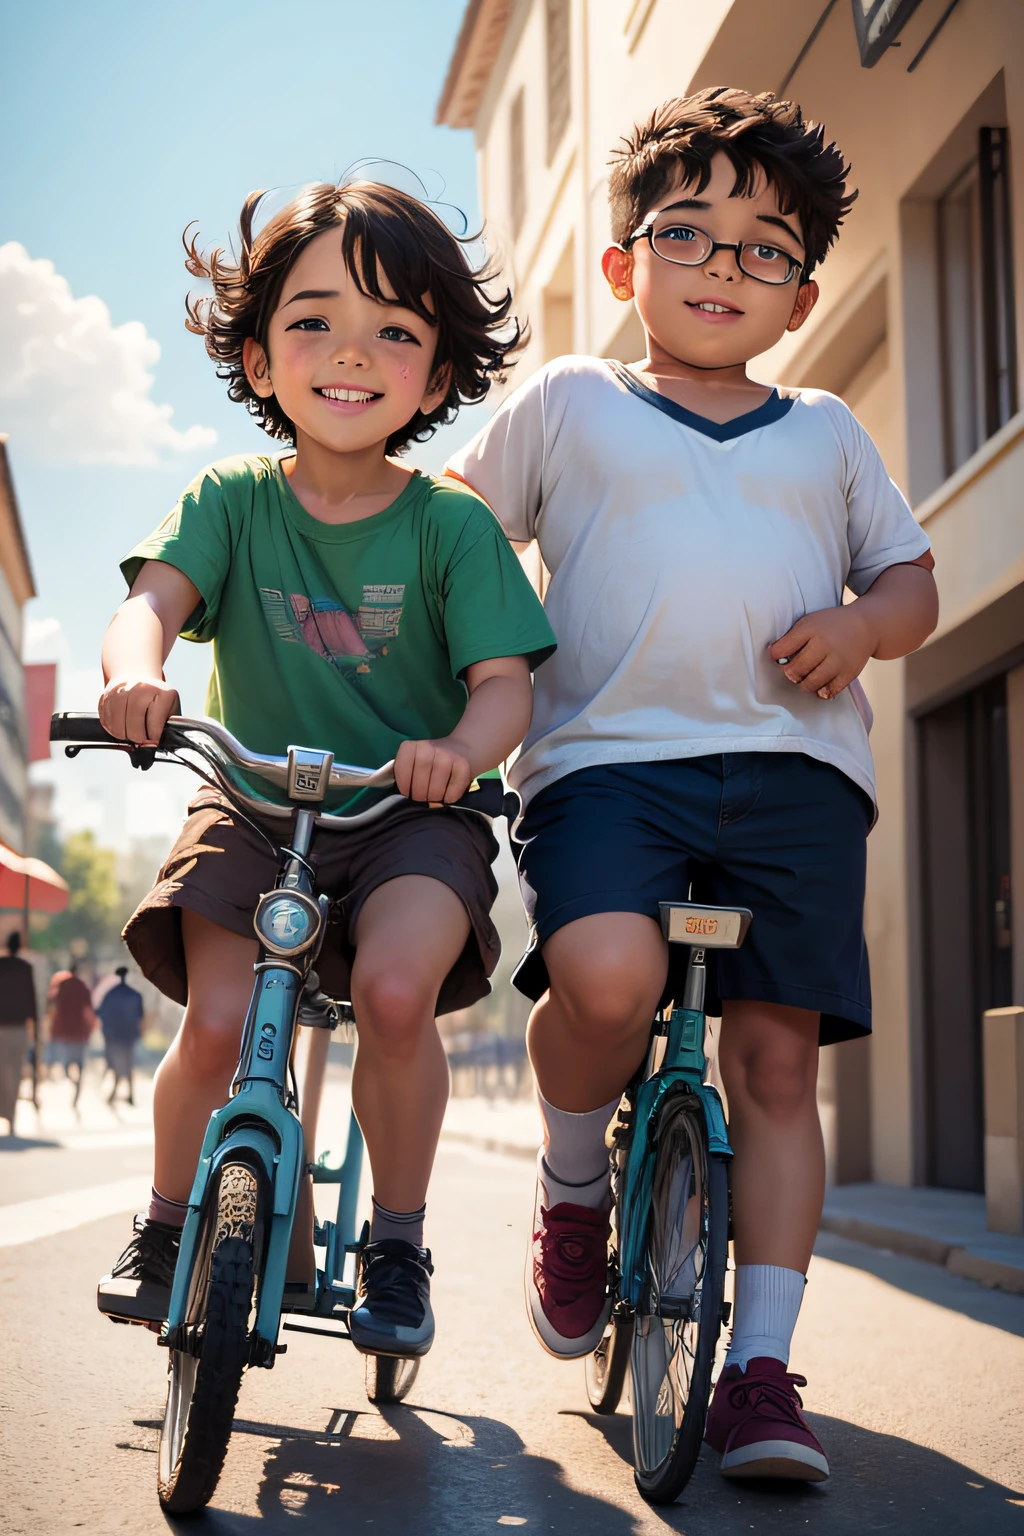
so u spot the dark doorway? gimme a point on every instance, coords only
(968, 960)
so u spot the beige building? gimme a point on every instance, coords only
(917, 330)
(15, 590)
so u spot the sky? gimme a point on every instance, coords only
(127, 122)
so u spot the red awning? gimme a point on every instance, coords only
(30, 883)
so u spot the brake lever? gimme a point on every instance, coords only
(139, 757)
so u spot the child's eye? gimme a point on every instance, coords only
(310, 323)
(681, 232)
(396, 333)
(768, 253)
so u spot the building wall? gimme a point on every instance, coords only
(872, 339)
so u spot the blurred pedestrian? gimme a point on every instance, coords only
(17, 1018)
(73, 1021)
(120, 1011)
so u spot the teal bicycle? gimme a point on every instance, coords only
(669, 1149)
(231, 1287)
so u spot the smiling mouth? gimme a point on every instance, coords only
(348, 396)
(709, 307)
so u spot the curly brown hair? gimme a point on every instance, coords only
(382, 230)
(759, 134)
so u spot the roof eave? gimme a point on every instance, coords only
(476, 50)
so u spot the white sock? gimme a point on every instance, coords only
(765, 1309)
(574, 1165)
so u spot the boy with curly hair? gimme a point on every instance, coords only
(700, 720)
(355, 605)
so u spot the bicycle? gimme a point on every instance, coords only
(669, 1150)
(230, 1292)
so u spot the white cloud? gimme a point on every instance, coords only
(74, 386)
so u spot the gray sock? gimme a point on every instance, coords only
(575, 1150)
(406, 1226)
(171, 1212)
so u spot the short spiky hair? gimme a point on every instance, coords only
(380, 229)
(758, 133)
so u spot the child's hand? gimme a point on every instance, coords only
(137, 708)
(435, 771)
(823, 652)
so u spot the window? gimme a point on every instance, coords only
(557, 18)
(979, 366)
(517, 161)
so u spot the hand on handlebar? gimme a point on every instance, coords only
(137, 708)
(435, 771)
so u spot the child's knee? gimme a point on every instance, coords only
(211, 1036)
(606, 1001)
(391, 1010)
(778, 1080)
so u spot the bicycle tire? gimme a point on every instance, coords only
(672, 1358)
(388, 1378)
(606, 1368)
(202, 1389)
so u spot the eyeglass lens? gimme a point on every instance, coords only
(689, 247)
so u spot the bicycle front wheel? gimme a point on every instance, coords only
(676, 1329)
(203, 1381)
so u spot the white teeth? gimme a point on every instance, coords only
(347, 394)
(716, 309)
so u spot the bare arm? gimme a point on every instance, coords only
(494, 722)
(137, 702)
(823, 652)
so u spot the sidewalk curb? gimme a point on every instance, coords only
(968, 1262)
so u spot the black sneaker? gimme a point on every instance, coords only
(138, 1288)
(392, 1313)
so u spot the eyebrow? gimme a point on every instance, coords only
(311, 293)
(763, 218)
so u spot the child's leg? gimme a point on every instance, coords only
(194, 1077)
(410, 932)
(588, 1033)
(769, 1061)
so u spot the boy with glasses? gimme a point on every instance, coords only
(701, 720)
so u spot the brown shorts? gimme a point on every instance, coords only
(219, 867)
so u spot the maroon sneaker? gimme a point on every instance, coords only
(567, 1298)
(756, 1424)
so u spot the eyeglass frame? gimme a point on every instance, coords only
(645, 231)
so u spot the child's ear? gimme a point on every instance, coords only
(257, 367)
(806, 298)
(439, 385)
(617, 266)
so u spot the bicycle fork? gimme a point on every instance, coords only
(255, 1127)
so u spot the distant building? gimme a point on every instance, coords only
(919, 331)
(16, 587)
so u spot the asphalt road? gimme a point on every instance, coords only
(916, 1390)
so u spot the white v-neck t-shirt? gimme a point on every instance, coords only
(680, 550)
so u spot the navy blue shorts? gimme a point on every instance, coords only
(777, 832)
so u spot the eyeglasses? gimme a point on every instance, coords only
(685, 246)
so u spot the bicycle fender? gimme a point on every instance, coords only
(639, 1181)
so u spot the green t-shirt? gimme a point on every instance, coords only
(348, 637)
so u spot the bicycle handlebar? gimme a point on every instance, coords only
(227, 756)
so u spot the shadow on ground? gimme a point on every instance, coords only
(410, 1468)
(878, 1483)
(24, 1143)
(931, 1282)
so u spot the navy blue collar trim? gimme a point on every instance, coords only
(773, 409)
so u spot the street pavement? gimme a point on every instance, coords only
(916, 1380)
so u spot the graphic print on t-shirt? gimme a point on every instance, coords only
(349, 642)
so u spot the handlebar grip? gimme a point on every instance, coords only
(490, 799)
(84, 726)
